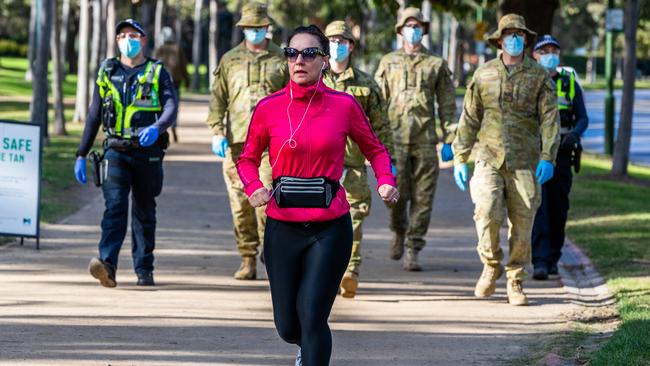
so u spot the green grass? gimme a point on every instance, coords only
(618, 84)
(610, 220)
(12, 79)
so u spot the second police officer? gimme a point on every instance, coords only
(343, 76)
(412, 81)
(550, 221)
(135, 102)
(247, 73)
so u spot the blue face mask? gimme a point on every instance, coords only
(412, 35)
(513, 45)
(129, 47)
(549, 61)
(339, 51)
(255, 35)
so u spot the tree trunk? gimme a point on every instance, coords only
(214, 38)
(178, 26)
(57, 74)
(453, 45)
(81, 102)
(160, 7)
(426, 11)
(110, 28)
(146, 19)
(538, 13)
(196, 45)
(64, 36)
(402, 6)
(103, 44)
(95, 47)
(39, 107)
(31, 47)
(236, 32)
(624, 136)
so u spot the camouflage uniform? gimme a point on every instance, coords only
(241, 80)
(507, 116)
(412, 85)
(355, 179)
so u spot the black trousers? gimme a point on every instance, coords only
(550, 221)
(305, 263)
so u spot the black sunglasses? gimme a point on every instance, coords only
(308, 54)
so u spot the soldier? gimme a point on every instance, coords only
(550, 221)
(342, 76)
(412, 80)
(246, 74)
(509, 113)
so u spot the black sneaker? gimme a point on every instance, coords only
(102, 271)
(145, 279)
(552, 270)
(540, 273)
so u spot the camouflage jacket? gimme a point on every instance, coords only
(412, 85)
(361, 85)
(241, 80)
(509, 117)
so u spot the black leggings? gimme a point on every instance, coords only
(305, 264)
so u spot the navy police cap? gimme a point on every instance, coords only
(130, 23)
(546, 40)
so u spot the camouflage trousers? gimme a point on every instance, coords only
(248, 222)
(417, 176)
(495, 191)
(355, 182)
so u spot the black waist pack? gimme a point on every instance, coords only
(291, 192)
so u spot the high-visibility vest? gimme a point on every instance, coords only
(118, 119)
(566, 80)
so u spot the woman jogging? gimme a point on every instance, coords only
(308, 234)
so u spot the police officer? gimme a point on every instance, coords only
(412, 81)
(135, 103)
(550, 221)
(510, 119)
(245, 74)
(342, 76)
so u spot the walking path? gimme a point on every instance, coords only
(53, 313)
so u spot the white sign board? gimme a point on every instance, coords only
(614, 19)
(20, 170)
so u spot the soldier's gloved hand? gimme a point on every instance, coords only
(219, 145)
(447, 153)
(570, 141)
(80, 169)
(544, 171)
(260, 197)
(460, 176)
(148, 136)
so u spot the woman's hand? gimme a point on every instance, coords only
(260, 197)
(388, 193)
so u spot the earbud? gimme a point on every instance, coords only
(324, 67)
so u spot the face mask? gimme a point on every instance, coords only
(255, 35)
(412, 35)
(549, 61)
(339, 51)
(513, 45)
(129, 47)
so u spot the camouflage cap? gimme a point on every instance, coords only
(414, 13)
(339, 28)
(511, 21)
(254, 15)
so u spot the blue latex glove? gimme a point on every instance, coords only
(148, 136)
(219, 145)
(80, 170)
(544, 171)
(447, 153)
(460, 176)
(393, 170)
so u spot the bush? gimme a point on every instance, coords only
(12, 48)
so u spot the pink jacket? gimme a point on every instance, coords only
(317, 148)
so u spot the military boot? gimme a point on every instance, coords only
(488, 281)
(411, 261)
(247, 270)
(349, 284)
(397, 247)
(516, 295)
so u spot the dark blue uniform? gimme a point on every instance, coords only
(550, 221)
(137, 171)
